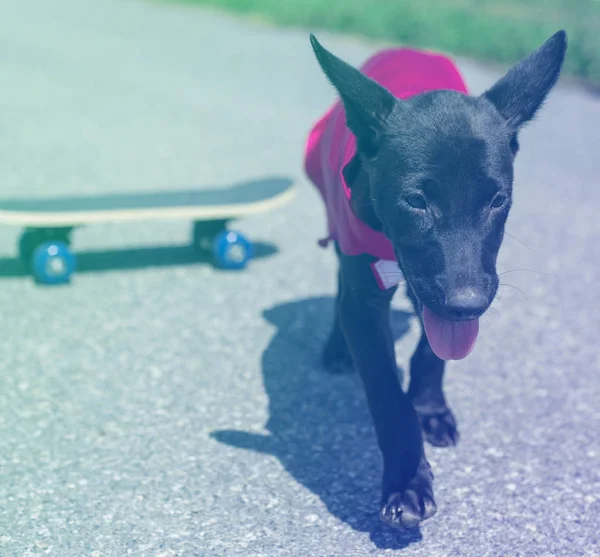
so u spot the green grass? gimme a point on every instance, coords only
(495, 30)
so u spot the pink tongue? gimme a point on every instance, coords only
(450, 340)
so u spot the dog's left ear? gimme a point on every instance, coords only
(521, 92)
(368, 105)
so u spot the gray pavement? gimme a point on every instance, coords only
(158, 407)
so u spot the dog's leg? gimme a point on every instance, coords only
(336, 357)
(407, 494)
(427, 395)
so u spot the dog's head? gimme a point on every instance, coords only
(435, 174)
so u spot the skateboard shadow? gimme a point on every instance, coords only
(132, 259)
(319, 425)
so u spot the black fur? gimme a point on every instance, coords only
(435, 174)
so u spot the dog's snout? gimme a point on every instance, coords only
(465, 304)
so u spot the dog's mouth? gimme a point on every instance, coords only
(449, 340)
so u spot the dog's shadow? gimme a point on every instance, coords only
(319, 424)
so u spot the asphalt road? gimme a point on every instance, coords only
(158, 407)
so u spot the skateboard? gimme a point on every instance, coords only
(44, 245)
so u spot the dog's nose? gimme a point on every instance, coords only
(466, 304)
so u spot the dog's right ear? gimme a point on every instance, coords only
(521, 92)
(368, 105)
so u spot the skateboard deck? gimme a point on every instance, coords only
(44, 246)
(245, 199)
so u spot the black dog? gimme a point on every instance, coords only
(432, 173)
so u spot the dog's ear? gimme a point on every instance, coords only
(521, 92)
(368, 105)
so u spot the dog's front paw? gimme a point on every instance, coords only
(438, 425)
(407, 509)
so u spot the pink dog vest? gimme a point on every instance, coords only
(331, 146)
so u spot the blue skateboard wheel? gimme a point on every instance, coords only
(53, 263)
(231, 250)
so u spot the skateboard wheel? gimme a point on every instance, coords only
(231, 250)
(53, 263)
(32, 238)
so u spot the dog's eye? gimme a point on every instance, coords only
(498, 201)
(416, 201)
